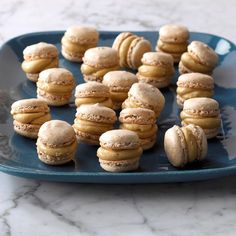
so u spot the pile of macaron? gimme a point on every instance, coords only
(112, 93)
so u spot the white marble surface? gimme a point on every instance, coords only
(30, 207)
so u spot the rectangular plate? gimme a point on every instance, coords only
(18, 154)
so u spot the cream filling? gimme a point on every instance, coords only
(204, 122)
(60, 151)
(38, 65)
(187, 93)
(172, 47)
(155, 71)
(193, 65)
(98, 72)
(119, 96)
(55, 88)
(91, 127)
(32, 118)
(117, 155)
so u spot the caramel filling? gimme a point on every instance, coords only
(155, 71)
(60, 151)
(172, 47)
(123, 50)
(204, 122)
(38, 65)
(193, 65)
(91, 127)
(32, 118)
(117, 155)
(119, 96)
(76, 47)
(102, 101)
(187, 93)
(191, 142)
(143, 131)
(89, 70)
(55, 88)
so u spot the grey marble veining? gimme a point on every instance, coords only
(29, 207)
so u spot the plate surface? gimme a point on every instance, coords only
(18, 154)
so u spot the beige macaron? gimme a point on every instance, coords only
(97, 62)
(145, 96)
(157, 69)
(192, 85)
(91, 121)
(56, 143)
(120, 150)
(203, 112)
(91, 93)
(185, 144)
(78, 39)
(29, 115)
(199, 58)
(119, 83)
(143, 122)
(173, 39)
(55, 86)
(38, 57)
(131, 48)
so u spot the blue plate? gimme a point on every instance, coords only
(18, 154)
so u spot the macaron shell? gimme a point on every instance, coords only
(136, 50)
(157, 58)
(75, 57)
(40, 50)
(203, 53)
(175, 146)
(183, 69)
(119, 39)
(160, 82)
(119, 139)
(173, 33)
(148, 143)
(32, 77)
(26, 130)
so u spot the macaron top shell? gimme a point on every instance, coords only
(30, 105)
(82, 34)
(201, 106)
(172, 33)
(56, 133)
(101, 57)
(196, 80)
(119, 139)
(147, 94)
(96, 113)
(137, 116)
(119, 80)
(203, 53)
(157, 58)
(92, 89)
(40, 50)
(59, 76)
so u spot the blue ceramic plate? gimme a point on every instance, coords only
(18, 154)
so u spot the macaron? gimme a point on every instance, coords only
(143, 122)
(145, 96)
(173, 39)
(131, 48)
(198, 58)
(97, 62)
(76, 40)
(29, 115)
(119, 151)
(39, 57)
(119, 83)
(157, 69)
(203, 112)
(91, 121)
(91, 93)
(56, 143)
(192, 85)
(185, 144)
(55, 86)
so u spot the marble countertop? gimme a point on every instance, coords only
(29, 207)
